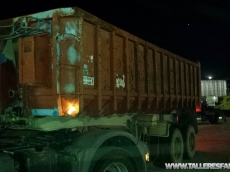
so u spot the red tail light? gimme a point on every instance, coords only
(198, 109)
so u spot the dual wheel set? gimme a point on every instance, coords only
(180, 144)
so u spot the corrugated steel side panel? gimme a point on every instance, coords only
(213, 88)
(106, 56)
(35, 70)
(103, 70)
(131, 66)
(26, 61)
(122, 73)
(133, 74)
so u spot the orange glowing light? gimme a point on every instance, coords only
(69, 106)
(72, 110)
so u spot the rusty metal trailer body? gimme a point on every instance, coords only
(99, 88)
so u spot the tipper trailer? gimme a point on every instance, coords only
(79, 95)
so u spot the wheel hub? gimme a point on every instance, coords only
(116, 167)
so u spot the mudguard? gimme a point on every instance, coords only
(86, 146)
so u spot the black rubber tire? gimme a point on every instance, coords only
(176, 148)
(189, 137)
(171, 149)
(117, 158)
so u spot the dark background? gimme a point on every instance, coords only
(198, 30)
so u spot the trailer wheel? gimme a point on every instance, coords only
(115, 160)
(189, 142)
(176, 148)
(170, 150)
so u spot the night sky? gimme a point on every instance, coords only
(198, 30)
